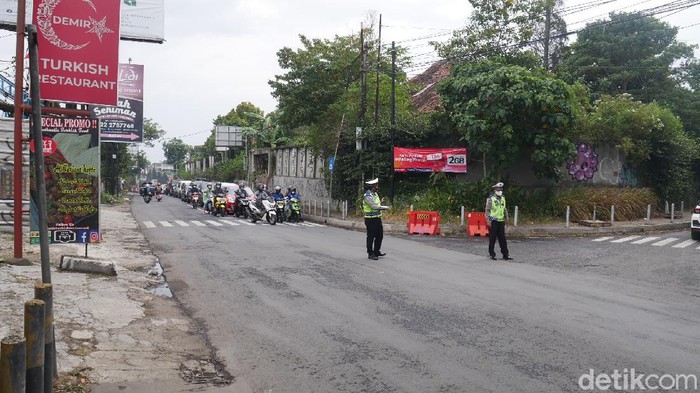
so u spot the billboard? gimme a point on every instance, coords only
(71, 166)
(79, 50)
(430, 159)
(228, 136)
(141, 20)
(123, 122)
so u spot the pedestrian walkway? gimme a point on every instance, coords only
(654, 241)
(222, 223)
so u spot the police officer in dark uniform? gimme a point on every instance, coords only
(371, 205)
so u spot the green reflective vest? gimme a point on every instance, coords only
(498, 208)
(369, 212)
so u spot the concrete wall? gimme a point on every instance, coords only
(599, 165)
(298, 167)
(7, 160)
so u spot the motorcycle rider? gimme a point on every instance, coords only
(159, 188)
(207, 193)
(260, 195)
(278, 193)
(293, 194)
(217, 191)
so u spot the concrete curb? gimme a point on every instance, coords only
(84, 265)
(516, 232)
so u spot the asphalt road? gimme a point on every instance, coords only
(302, 309)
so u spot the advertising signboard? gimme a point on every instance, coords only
(141, 20)
(79, 55)
(430, 160)
(124, 122)
(72, 166)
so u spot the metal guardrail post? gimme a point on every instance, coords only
(515, 217)
(648, 214)
(44, 291)
(34, 311)
(461, 216)
(568, 214)
(612, 214)
(673, 212)
(314, 208)
(13, 364)
(594, 212)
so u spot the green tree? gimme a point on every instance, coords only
(551, 36)
(651, 139)
(630, 53)
(496, 29)
(175, 151)
(315, 77)
(151, 132)
(502, 110)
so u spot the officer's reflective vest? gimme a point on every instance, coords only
(369, 212)
(498, 208)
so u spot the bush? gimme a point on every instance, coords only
(630, 203)
(106, 197)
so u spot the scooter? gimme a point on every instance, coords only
(147, 196)
(195, 199)
(280, 208)
(270, 211)
(294, 210)
(254, 213)
(220, 205)
(159, 197)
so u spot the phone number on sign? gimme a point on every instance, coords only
(117, 125)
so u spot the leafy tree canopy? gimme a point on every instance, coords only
(630, 53)
(175, 151)
(151, 132)
(315, 77)
(496, 29)
(650, 137)
(502, 110)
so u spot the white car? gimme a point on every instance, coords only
(695, 223)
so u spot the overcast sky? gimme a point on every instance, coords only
(219, 53)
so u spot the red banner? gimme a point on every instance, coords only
(78, 50)
(451, 159)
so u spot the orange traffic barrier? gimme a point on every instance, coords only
(423, 222)
(476, 224)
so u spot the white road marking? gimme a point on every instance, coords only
(215, 223)
(233, 223)
(165, 223)
(182, 223)
(684, 244)
(312, 224)
(291, 224)
(645, 240)
(149, 224)
(625, 239)
(602, 239)
(665, 241)
(198, 223)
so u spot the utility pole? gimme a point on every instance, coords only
(393, 115)
(363, 98)
(379, 62)
(19, 81)
(547, 34)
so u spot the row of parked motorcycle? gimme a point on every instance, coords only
(241, 201)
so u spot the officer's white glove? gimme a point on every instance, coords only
(384, 207)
